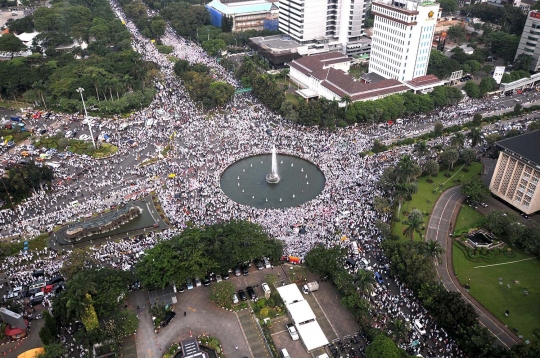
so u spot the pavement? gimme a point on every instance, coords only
(441, 223)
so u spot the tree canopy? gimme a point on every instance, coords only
(198, 251)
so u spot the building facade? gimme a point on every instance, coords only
(528, 44)
(517, 172)
(246, 15)
(402, 38)
(331, 24)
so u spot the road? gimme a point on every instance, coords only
(441, 222)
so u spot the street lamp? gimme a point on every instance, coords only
(81, 90)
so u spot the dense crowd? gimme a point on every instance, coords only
(201, 148)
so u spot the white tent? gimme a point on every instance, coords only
(312, 335)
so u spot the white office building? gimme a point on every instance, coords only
(528, 44)
(402, 37)
(328, 24)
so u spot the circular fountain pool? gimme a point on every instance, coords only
(245, 181)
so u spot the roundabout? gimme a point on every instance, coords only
(292, 181)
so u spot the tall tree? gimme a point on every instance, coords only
(407, 170)
(431, 167)
(398, 330)
(468, 155)
(11, 43)
(421, 149)
(433, 250)
(404, 192)
(414, 223)
(475, 135)
(475, 190)
(364, 281)
(450, 156)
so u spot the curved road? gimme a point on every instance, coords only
(441, 223)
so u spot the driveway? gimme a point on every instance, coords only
(441, 223)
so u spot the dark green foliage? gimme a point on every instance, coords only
(227, 23)
(201, 86)
(197, 251)
(22, 180)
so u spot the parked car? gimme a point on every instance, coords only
(234, 298)
(197, 282)
(259, 264)
(251, 293)
(189, 284)
(225, 276)
(237, 271)
(168, 318)
(36, 301)
(245, 270)
(242, 295)
(219, 278)
(206, 281)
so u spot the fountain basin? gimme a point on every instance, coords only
(294, 186)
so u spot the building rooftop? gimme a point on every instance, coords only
(341, 83)
(525, 145)
(241, 7)
(276, 42)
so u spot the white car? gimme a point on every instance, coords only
(69, 134)
(84, 137)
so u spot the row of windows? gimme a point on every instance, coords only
(390, 44)
(384, 63)
(379, 19)
(384, 72)
(379, 34)
(395, 14)
(390, 29)
(391, 56)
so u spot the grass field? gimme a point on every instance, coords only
(497, 298)
(293, 98)
(468, 218)
(428, 193)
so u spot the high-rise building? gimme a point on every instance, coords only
(517, 173)
(402, 37)
(332, 24)
(528, 44)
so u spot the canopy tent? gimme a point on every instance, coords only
(32, 353)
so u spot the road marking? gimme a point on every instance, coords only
(192, 309)
(278, 332)
(506, 263)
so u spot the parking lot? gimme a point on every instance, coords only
(239, 329)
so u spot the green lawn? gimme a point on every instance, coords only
(293, 98)
(468, 218)
(428, 193)
(497, 298)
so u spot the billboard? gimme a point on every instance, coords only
(498, 73)
(456, 75)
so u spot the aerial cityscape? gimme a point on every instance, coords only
(270, 178)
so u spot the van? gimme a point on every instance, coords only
(419, 327)
(284, 353)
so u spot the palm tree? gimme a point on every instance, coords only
(458, 140)
(431, 167)
(450, 156)
(398, 330)
(347, 100)
(407, 170)
(468, 155)
(433, 249)
(414, 223)
(421, 148)
(475, 136)
(364, 281)
(404, 192)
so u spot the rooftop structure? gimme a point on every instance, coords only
(327, 75)
(303, 317)
(516, 175)
(246, 15)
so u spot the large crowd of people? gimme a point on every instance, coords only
(201, 148)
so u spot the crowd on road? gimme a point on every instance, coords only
(200, 149)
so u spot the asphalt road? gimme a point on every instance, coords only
(441, 223)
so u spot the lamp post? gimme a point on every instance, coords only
(81, 90)
(208, 32)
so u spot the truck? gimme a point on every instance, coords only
(310, 287)
(292, 331)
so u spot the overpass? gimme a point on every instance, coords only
(528, 82)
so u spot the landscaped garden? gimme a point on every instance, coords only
(468, 218)
(429, 192)
(76, 146)
(503, 280)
